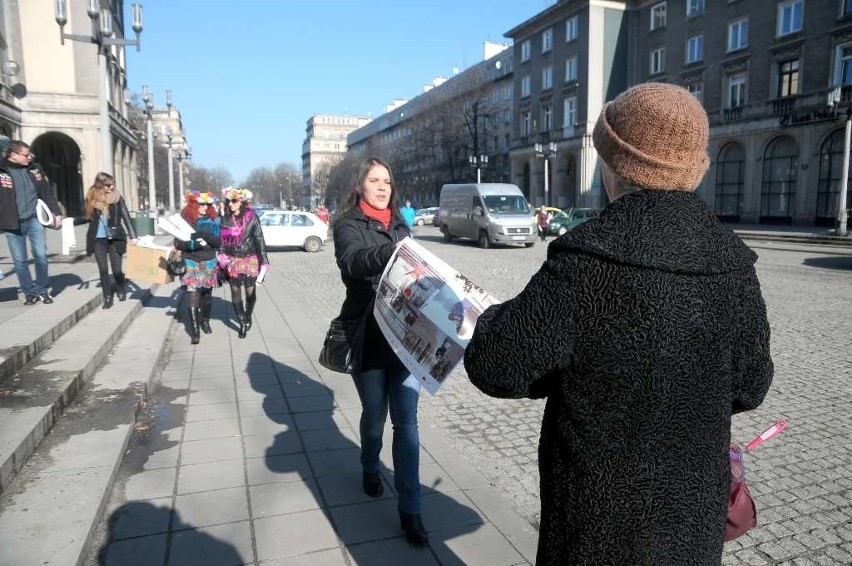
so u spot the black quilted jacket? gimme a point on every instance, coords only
(645, 329)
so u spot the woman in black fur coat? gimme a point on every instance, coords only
(645, 330)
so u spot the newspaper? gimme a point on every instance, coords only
(427, 311)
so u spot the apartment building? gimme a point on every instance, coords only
(457, 129)
(50, 96)
(324, 146)
(775, 77)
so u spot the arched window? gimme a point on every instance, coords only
(730, 178)
(526, 186)
(830, 174)
(780, 173)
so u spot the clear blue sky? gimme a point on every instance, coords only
(247, 74)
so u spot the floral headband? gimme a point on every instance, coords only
(231, 193)
(201, 198)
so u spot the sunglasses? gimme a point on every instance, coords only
(234, 200)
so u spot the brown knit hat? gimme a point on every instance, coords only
(654, 136)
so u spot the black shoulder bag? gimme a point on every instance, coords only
(341, 351)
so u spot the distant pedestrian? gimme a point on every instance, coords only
(109, 226)
(543, 221)
(408, 212)
(645, 330)
(322, 213)
(366, 231)
(22, 184)
(243, 254)
(199, 253)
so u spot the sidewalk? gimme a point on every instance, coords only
(249, 454)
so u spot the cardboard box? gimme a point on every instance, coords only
(147, 264)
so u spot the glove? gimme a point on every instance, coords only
(263, 269)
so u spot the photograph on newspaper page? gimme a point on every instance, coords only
(427, 311)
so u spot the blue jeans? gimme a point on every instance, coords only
(17, 239)
(380, 389)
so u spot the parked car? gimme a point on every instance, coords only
(567, 219)
(282, 228)
(426, 216)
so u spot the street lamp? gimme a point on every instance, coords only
(181, 157)
(148, 99)
(167, 131)
(545, 151)
(478, 161)
(101, 36)
(833, 100)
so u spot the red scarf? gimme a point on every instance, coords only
(383, 216)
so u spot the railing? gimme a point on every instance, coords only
(732, 114)
(784, 105)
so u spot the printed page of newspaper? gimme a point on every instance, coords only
(427, 311)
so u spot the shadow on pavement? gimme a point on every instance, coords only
(137, 535)
(369, 528)
(58, 283)
(830, 262)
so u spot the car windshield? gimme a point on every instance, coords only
(506, 204)
(561, 216)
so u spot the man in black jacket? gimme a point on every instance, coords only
(22, 184)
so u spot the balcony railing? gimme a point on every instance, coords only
(784, 105)
(732, 114)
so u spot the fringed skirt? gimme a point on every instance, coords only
(200, 275)
(243, 270)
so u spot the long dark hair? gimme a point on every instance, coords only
(353, 197)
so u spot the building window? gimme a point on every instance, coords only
(696, 88)
(526, 47)
(658, 16)
(695, 48)
(730, 180)
(780, 175)
(847, 7)
(546, 40)
(507, 93)
(788, 78)
(569, 108)
(790, 16)
(525, 124)
(572, 28)
(571, 69)
(658, 57)
(830, 175)
(694, 7)
(843, 66)
(547, 78)
(547, 119)
(738, 34)
(736, 90)
(525, 86)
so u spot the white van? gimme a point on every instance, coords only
(490, 213)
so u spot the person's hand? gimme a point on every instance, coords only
(57, 221)
(260, 276)
(133, 241)
(201, 242)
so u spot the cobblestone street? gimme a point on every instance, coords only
(802, 481)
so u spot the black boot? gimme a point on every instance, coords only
(412, 524)
(194, 318)
(241, 319)
(206, 307)
(107, 301)
(119, 289)
(372, 483)
(249, 310)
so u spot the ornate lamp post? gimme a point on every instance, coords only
(167, 131)
(545, 151)
(478, 161)
(181, 157)
(101, 36)
(148, 99)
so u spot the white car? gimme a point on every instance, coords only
(292, 228)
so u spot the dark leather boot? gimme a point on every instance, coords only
(194, 319)
(249, 310)
(241, 319)
(412, 524)
(107, 301)
(119, 289)
(372, 482)
(206, 307)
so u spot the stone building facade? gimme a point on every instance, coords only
(324, 146)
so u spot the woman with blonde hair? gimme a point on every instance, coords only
(109, 226)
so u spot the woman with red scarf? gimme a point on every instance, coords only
(243, 254)
(199, 254)
(365, 234)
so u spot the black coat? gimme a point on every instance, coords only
(645, 329)
(251, 241)
(207, 230)
(9, 205)
(119, 217)
(363, 248)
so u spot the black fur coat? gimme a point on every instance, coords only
(645, 329)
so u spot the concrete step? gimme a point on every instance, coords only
(34, 396)
(796, 238)
(52, 507)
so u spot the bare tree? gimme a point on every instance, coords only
(288, 182)
(209, 180)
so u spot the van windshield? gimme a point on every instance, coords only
(506, 204)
